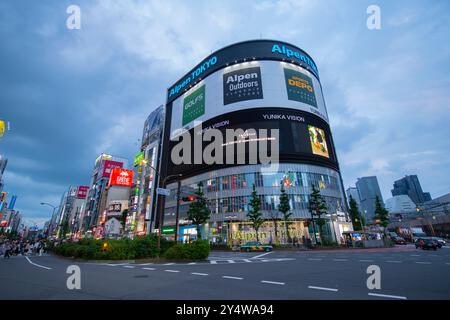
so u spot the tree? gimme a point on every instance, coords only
(254, 214)
(65, 228)
(274, 217)
(198, 211)
(285, 210)
(355, 215)
(317, 207)
(381, 214)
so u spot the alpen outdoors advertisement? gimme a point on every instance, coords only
(241, 85)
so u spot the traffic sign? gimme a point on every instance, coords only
(163, 192)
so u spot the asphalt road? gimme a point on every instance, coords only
(406, 273)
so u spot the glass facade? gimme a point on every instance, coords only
(228, 191)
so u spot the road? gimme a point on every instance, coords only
(406, 273)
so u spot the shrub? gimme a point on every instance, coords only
(198, 250)
(124, 249)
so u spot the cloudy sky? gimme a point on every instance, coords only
(71, 94)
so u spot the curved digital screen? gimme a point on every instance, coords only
(302, 138)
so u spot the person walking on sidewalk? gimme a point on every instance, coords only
(7, 250)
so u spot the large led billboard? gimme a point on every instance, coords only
(256, 84)
(121, 177)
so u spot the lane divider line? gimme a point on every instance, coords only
(37, 265)
(386, 296)
(234, 278)
(171, 270)
(199, 274)
(129, 267)
(393, 261)
(273, 282)
(422, 262)
(365, 260)
(315, 259)
(340, 259)
(261, 255)
(322, 288)
(151, 269)
(231, 261)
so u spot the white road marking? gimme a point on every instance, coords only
(129, 267)
(116, 264)
(213, 262)
(231, 261)
(37, 265)
(145, 264)
(261, 255)
(394, 261)
(273, 282)
(151, 269)
(421, 262)
(386, 296)
(315, 259)
(247, 260)
(365, 260)
(199, 274)
(448, 263)
(322, 288)
(340, 259)
(192, 263)
(171, 270)
(234, 278)
(169, 264)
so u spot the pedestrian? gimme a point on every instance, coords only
(7, 250)
(41, 248)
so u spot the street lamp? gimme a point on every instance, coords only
(50, 205)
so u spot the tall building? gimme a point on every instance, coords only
(3, 163)
(368, 190)
(142, 214)
(410, 186)
(400, 204)
(251, 88)
(97, 197)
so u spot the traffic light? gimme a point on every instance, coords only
(189, 198)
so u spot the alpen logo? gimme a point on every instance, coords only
(241, 85)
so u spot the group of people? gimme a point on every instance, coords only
(21, 247)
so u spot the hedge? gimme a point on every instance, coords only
(124, 249)
(197, 250)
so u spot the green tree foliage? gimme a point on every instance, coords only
(254, 214)
(381, 214)
(198, 211)
(317, 207)
(354, 214)
(285, 209)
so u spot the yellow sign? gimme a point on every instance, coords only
(2, 127)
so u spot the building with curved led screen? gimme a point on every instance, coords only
(255, 88)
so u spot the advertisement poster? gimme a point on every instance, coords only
(318, 142)
(299, 87)
(121, 177)
(241, 85)
(138, 158)
(194, 105)
(108, 165)
(82, 192)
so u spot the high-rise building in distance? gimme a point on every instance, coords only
(368, 190)
(410, 186)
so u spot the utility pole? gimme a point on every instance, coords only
(177, 214)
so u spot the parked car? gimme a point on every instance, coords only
(426, 244)
(441, 242)
(398, 240)
(255, 246)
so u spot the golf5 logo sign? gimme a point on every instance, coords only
(318, 142)
(241, 85)
(300, 87)
(194, 105)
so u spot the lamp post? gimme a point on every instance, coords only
(50, 205)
